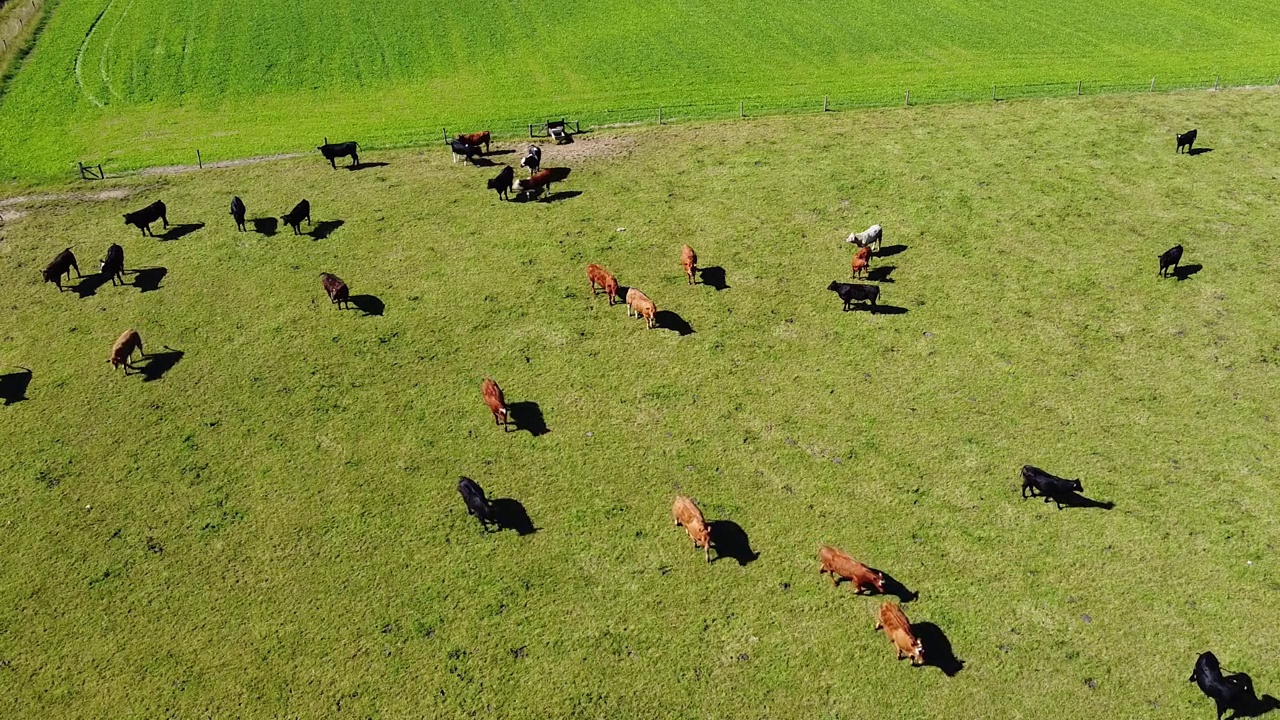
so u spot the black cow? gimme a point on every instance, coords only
(333, 151)
(237, 212)
(477, 503)
(1186, 140)
(1227, 691)
(1170, 258)
(849, 293)
(466, 151)
(1050, 487)
(532, 160)
(502, 183)
(113, 264)
(294, 218)
(61, 265)
(143, 218)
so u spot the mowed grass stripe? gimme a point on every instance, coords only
(236, 79)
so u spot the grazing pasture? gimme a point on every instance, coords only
(147, 82)
(264, 520)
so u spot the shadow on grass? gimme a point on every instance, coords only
(176, 232)
(148, 279)
(363, 166)
(731, 541)
(878, 309)
(324, 229)
(881, 274)
(1182, 272)
(526, 415)
(368, 304)
(265, 225)
(13, 386)
(714, 277)
(1199, 151)
(89, 284)
(937, 648)
(158, 364)
(671, 321)
(890, 250)
(511, 515)
(892, 586)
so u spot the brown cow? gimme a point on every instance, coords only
(898, 629)
(122, 351)
(689, 259)
(686, 513)
(597, 275)
(476, 139)
(843, 567)
(861, 260)
(496, 402)
(642, 305)
(336, 289)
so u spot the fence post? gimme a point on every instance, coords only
(741, 114)
(100, 175)
(993, 93)
(825, 106)
(81, 169)
(444, 132)
(1078, 84)
(1153, 85)
(659, 116)
(1216, 80)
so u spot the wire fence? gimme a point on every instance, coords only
(752, 107)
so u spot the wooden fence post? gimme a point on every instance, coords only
(825, 106)
(444, 132)
(199, 161)
(907, 102)
(993, 93)
(1078, 84)
(741, 114)
(530, 129)
(1217, 79)
(81, 169)
(100, 175)
(1153, 85)
(659, 116)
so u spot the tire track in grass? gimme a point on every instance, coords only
(106, 47)
(84, 45)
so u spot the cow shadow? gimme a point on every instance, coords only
(176, 232)
(1199, 151)
(1182, 272)
(731, 541)
(265, 225)
(672, 321)
(890, 250)
(881, 274)
(1250, 706)
(501, 152)
(511, 515)
(937, 648)
(363, 166)
(526, 415)
(714, 277)
(324, 229)
(561, 196)
(481, 161)
(13, 386)
(158, 364)
(368, 304)
(1076, 500)
(892, 586)
(148, 279)
(878, 309)
(89, 284)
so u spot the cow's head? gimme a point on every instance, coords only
(917, 652)
(877, 580)
(126, 218)
(1075, 485)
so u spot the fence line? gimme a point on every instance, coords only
(754, 107)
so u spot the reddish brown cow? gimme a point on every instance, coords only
(898, 629)
(496, 402)
(597, 275)
(843, 567)
(336, 289)
(689, 260)
(122, 351)
(861, 260)
(643, 307)
(686, 513)
(476, 139)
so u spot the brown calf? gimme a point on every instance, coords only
(898, 629)
(597, 275)
(689, 260)
(861, 260)
(336, 289)
(686, 513)
(643, 307)
(476, 139)
(122, 351)
(497, 404)
(843, 567)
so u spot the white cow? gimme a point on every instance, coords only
(870, 236)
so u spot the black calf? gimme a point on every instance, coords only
(1170, 258)
(502, 183)
(113, 264)
(476, 502)
(333, 151)
(61, 265)
(850, 293)
(294, 218)
(1050, 487)
(143, 218)
(1228, 692)
(1186, 140)
(237, 212)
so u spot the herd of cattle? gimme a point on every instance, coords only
(1233, 691)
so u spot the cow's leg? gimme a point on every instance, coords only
(333, 162)
(355, 160)
(165, 219)
(77, 267)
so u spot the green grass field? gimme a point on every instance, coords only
(144, 82)
(270, 529)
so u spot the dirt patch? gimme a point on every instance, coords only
(179, 169)
(11, 215)
(112, 194)
(586, 147)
